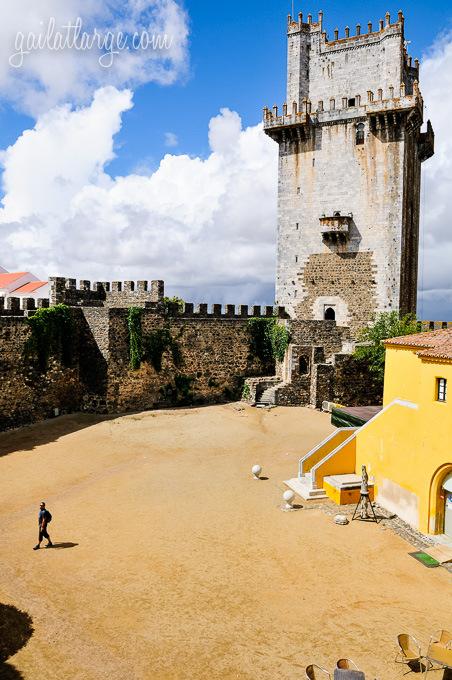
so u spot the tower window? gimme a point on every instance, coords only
(297, 225)
(303, 365)
(329, 314)
(352, 101)
(441, 389)
(360, 133)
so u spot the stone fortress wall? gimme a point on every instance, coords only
(214, 343)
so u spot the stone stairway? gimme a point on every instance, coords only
(268, 397)
(303, 487)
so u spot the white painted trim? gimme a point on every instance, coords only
(395, 402)
(330, 455)
(316, 448)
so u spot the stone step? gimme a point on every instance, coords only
(268, 397)
(302, 487)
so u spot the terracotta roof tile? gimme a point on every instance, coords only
(30, 287)
(435, 344)
(6, 279)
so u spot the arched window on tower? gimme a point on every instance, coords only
(330, 314)
(360, 133)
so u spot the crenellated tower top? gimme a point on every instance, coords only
(348, 66)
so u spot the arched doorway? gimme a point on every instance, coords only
(330, 314)
(441, 501)
(447, 491)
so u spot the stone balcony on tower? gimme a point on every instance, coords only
(335, 228)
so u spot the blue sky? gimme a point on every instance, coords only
(238, 60)
(235, 59)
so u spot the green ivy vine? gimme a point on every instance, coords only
(150, 347)
(158, 342)
(168, 302)
(269, 340)
(280, 339)
(51, 334)
(135, 337)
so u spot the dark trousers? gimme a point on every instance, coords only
(43, 534)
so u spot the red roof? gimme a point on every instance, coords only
(6, 279)
(30, 287)
(434, 344)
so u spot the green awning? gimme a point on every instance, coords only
(341, 418)
(353, 416)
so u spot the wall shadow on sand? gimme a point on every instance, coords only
(16, 628)
(28, 437)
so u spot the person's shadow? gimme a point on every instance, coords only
(60, 546)
(16, 628)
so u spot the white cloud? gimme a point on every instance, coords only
(435, 268)
(48, 78)
(49, 165)
(171, 139)
(206, 226)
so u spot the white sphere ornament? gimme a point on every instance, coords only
(288, 497)
(256, 470)
(341, 519)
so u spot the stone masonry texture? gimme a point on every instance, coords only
(350, 153)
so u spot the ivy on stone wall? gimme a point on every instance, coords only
(279, 338)
(269, 339)
(135, 337)
(246, 392)
(51, 334)
(158, 342)
(149, 347)
(168, 302)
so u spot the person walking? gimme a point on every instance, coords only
(44, 518)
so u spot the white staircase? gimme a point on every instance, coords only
(303, 487)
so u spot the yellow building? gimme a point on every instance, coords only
(407, 447)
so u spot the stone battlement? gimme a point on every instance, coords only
(104, 293)
(324, 71)
(14, 306)
(359, 106)
(385, 28)
(127, 294)
(434, 325)
(217, 311)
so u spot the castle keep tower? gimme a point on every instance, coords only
(350, 154)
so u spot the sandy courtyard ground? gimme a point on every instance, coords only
(186, 568)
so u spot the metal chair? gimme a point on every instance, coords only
(409, 652)
(314, 672)
(348, 664)
(440, 650)
(443, 638)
